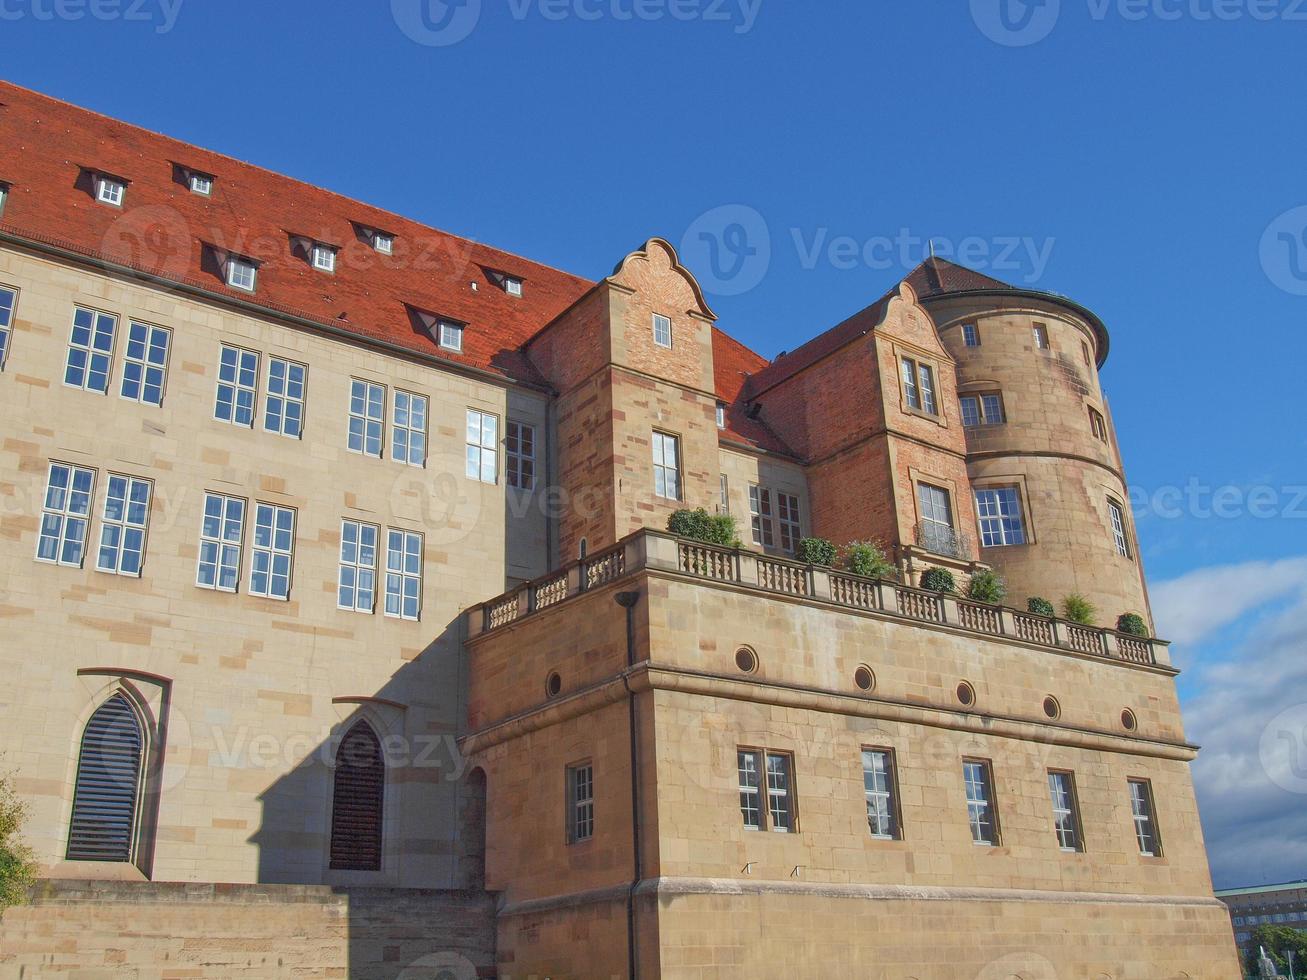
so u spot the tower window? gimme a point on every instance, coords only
(107, 789)
(358, 801)
(1098, 425)
(1116, 513)
(970, 335)
(110, 191)
(986, 409)
(580, 803)
(1041, 336)
(999, 512)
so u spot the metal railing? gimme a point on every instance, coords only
(940, 539)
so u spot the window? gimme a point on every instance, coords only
(65, 514)
(110, 191)
(4, 197)
(1117, 516)
(324, 258)
(787, 519)
(1066, 818)
(878, 785)
(451, 335)
(106, 791)
(662, 330)
(520, 455)
(980, 803)
(357, 581)
(403, 574)
(146, 365)
(221, 534)
(999, 510)
(367, 409)
(667, 466)
(919, 386)
(936, 520)
(982, 410)
(721, 415)
(122, 526)
(512, 286)
(970, 335)
(408, 433)
(725, 506)
(358, 795)
(482, 446)
(201, 184)
(238, 379)
(383, 243)
(580, 803)
(273, 551)
(1141, 809)
(8, 301)
(283, 411)
(1084, 350)
(760, 515)
(1097, 425)
(1041, 336)
(778, 814)
(90, 350)
(242, 274)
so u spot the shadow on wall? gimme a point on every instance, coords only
(381, 811)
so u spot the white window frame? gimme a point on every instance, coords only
(880, 790)
(110, 190)
(404, 430)
(482, 460)
(520, 455)
(400, 574)
(4, 196)
(970, 335)
(662, 330)
(94, 353)
(284, 398)
(919, 385)
(982, 814)
(512, 286)
(1143, 813)
(789, 521)
(129, 523)
(1066, 812)
(1000, 517)
(323, 257)
(580, 802)
(241, 274)
(244, 381)
(1116, 517)
(780, 798)
(274, 544)
(8, 310)
(201, 184)
(760, 512)
(151, 374)
(367, 423)
(1041, 337)
(721, 415)
(383, 242)
(725, 487)
(228, 551)
(450, 335)
(67, 507)
(666, 465)
(353, 562)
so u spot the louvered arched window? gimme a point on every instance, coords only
(357, 801)
(108, 784)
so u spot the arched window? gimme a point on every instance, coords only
(108, 784)
(357, 801)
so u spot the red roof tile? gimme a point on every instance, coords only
(733, 364)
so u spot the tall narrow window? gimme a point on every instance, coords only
(221, 534)
(8, 301)
(926, 379)
(910, 391)
(879, 788)
(667, 466)
(1041, 336)
(357, 581)
(787, 520)
(760, 515)
(750, 789)
(408, 434)
(122, 527)
(580, 803)
(776, 812)
(1084, 350)
(662, 330)
(919, 386)
(1066, 818)
(358, 801)
(482, 446)
(283, 410)
(403, 574)
(105, 795)
(367, 410)
(1117, 515)
(1141, 810)
(273, 551)
(999, 511)
(936, 532)
(725, 506)
(721, 415)
(146, 365)
(90, 350)
(970, 335)
(238, 379)
(780, 792)
(520, 455)
(65, 514)
(1097, 425)
(980, 802)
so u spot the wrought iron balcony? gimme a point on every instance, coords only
(940, 539)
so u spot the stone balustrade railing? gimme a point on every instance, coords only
(654, 550)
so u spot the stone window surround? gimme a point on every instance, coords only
(920, 358)
(1018, 480)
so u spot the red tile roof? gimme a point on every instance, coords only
(733, 364)
(937, 276)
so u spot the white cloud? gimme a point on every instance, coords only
(1190, 608)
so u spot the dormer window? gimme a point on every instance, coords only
(450, 335)
(110, 190)
(512, 286)
(383, 243)
(324, 258)
(721, 415)
(4, 197)
(241, 273)
(200, 184)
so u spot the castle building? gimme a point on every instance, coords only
(344, 634)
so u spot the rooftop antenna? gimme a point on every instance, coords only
(931, 242)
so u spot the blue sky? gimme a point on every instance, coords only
(1143, 156)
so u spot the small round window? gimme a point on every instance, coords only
(966, 694)
(864, 678)
(746, 660)
(1128, 720)
(553, 684)
(1051, 708)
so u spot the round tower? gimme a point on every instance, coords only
(1042, 453)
